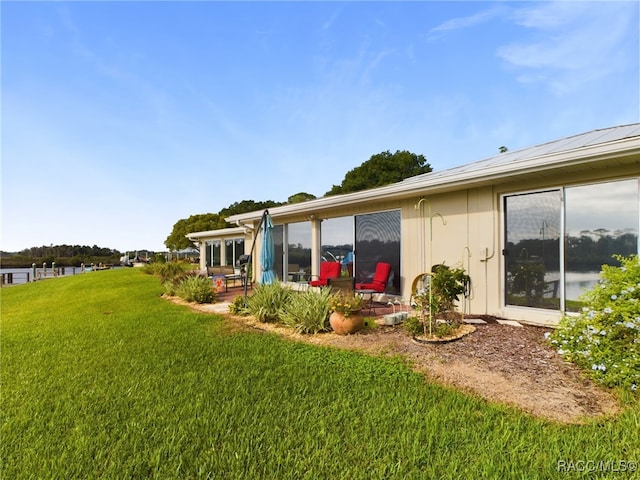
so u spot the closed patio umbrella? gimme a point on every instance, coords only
(267, 251)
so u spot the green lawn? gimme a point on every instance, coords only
(101, 378)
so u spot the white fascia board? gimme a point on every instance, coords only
(223, 232)
(465, 176)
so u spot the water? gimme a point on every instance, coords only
(576, 282)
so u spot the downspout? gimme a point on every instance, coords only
(486, 257)
(421, 243)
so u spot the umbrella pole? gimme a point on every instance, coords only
(253, 245)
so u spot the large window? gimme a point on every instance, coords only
(299, 247)
(378, 240)
(297, 236)
(337, 242)
(233, 249)
(595, 222)
(601, 220)
(212, 253)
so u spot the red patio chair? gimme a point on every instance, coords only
(380, 279)
(327, 270)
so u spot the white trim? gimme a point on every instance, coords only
(223, 232)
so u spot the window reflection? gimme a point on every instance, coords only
(212, 252)
(601, 220)
(337, 242)
(233, 249)
(278, 247)
(378, 240)
(532, 254)
(299, 247)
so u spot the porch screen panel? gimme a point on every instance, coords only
(377, 239)
(532, 253)
(212, 252)
(299, 245)
(238, 249)
(278, 248)
(228, 252)
(601, 220)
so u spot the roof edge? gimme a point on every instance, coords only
(464, 175)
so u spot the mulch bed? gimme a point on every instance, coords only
(505, 364)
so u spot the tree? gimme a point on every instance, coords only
(177, 240)
(382, 169)
(300, 197)
(246, 206)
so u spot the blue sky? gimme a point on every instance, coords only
(120, 118)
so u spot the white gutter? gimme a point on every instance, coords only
(225, 232)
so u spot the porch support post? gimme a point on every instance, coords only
(315, 246)
(203, 255)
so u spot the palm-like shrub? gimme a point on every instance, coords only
(172, 282)
(196, 289)
(267, 301)
(308, 312)
(167, 271)
(238, 306)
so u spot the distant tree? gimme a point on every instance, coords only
(503, 149)
(300, 197)
(382, 169)
(177, 240)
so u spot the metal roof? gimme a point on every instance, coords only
(621, 143)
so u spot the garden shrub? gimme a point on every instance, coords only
(605, 337)
(267, 301)
(196, 289)
(173, 282)
(238, 306)
(167, 271)
(170, 288)
(308, 311)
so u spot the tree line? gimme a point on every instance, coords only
(63, 255)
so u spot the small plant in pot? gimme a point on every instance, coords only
(436, 317)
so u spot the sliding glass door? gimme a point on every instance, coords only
(556, 241)
(532, 253)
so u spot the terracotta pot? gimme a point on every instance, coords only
(345, 325)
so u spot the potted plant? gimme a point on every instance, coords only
(345, 317)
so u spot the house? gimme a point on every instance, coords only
(531, 227)
(221, 247)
